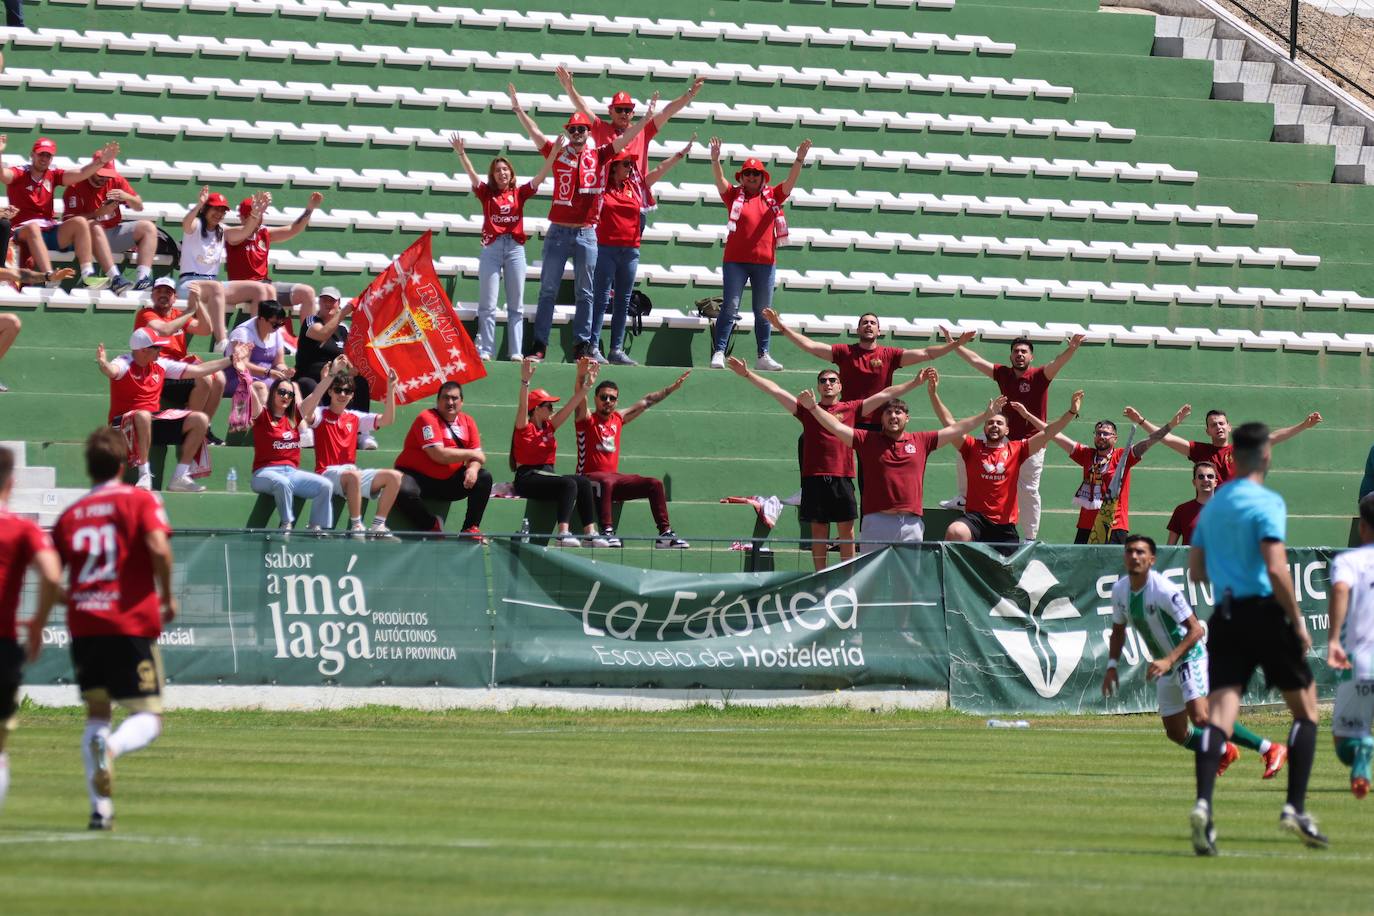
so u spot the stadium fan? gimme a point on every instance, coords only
(337, 431)
(1350, 653)
(278, 416)
(1219, 451)
(534, 451)
(10, 324)
(164, 320)
(618, 233)
(598, 459)
(99, 200)
(267, 361)
(578, 181)
(136, 381)
(442, 459)
(203, 244)
(502, 257)
(1184, 517)
(756, 226)
(322, 340)
(245, 258)
(31, 190)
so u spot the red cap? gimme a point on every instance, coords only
(620, 100)
(539, 396)
(625, 155)
(44, 145)
(108, 170)
(245, 207)
(755, 165)
(217, 200)
(578, 119)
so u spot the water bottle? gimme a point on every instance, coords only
(231, 481)
(524, 534)
(1005, 723)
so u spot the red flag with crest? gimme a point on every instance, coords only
(404, 321)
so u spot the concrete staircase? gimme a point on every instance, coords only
(36, 494)
(1296, 118)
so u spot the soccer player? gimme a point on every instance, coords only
(1184, 518)
(337, 430)
(1350, 652)
(1171, 633)
(23, 545)
(98, 199)
(1219, 451)
(114, 543)
(442, 458)
(1238, 547)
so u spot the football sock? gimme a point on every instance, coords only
(1194, 740)
(4, 777)
(1246, 738)
(94, 727)
(137, 732)
(182, 470)
(1206, 762)
(144, 273)
(378, 521)
(1302, 750)
(355, 519)
(1345, 750)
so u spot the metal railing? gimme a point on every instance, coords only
(1336, 35)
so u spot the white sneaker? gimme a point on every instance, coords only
(766, 363)
(954, 502)
(565, 540)
(718, 360)
(380, 532)
(484, 356)
(145, 482)
(357, 531)
(183, 484)
(368, 443)
(595, 540)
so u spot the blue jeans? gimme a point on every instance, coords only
(14, 14)
(561, 243)
(504, 259)
(616, 266)
(760, 279)
(285, 483)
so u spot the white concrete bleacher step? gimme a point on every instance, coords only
(36, 494)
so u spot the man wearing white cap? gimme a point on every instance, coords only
(323, 338)
(163, 319)
(98, 200)
(136, 380)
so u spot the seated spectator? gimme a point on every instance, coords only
(136, 380)
(7, 213)
(247, 256)
(10, 323)
(442, 459)
(277, 453)
(203, 251)
(323, 338)
(534, 451)
(31, 191)
(163, 319)
(98, 199)
(1184, 518)
(337, 430)
(267, 362)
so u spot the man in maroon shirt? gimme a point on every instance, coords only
(1029, 385)
(98, 200)
(1184, 519)
(1219, 450)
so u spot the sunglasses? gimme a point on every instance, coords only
(623, 110)
(829, 381)
(608, 398)
(288, 393)
(577, 130)
(748, 172)
(342, 390)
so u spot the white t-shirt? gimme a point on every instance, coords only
(202, 253)
(1355, 568)
(265, 349)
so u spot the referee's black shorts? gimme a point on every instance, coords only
(1250, 633)
(827, 499)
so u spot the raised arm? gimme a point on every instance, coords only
(455, 140)
(583, 410)
(106, 367)
(389, 411)
(722, 186)
(565, 78)
(921, 354)
(547, 165)
(942, 413)
(103, 155)
(649, 400)
(1176, 443)
(283, 233)
(1288, 432)
(677, 104)
(794, 173)
(188, 222)
(806, 400)
(522, 416)
(164, 327)
(802, 342)
(7, 174)
(1062, 359)
(535, 134)
(326, 381)
(668, 164)
(783, 397)
(957, 430)
(973, 359)
(1158, 435)
(1052, 431)
(320, 331)
(242, 233)
(586, 378)
(875, 402)
(625, 139)
(210, 367)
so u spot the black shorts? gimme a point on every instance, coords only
(125, 669)
(1250, 633)
(986, 531)
(165, 432)
(176, 392)
(11, 676)
(827, 499)
(1117, 536)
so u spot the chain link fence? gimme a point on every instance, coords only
(1337, 36)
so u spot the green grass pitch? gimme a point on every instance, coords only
(698, 811)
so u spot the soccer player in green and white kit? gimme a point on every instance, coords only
(1351, 653)
(1171, 632)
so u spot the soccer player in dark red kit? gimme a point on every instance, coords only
(114, 543)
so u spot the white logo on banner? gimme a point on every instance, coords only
(1047, 659)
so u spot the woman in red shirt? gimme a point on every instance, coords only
(534, 450)
(756, 224)
(503, 245)
(617, 249)
(277, 454)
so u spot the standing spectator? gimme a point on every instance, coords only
(267, 360)
(323, 339)
(1184, 517)
(337, 430)
(202, 253)
(1238, 547)
(534, 451)
(1099, 465)
(31, 189)
(163, 319)
(277, 470)
(136, 380)
(503, 245)
(442, 459)
(1350, 653)
(598, 459)
(1218, 451)
(99, 199)
(618, 234)
(756, 225)
(246, 258)
(1028, 385)
(578, 181)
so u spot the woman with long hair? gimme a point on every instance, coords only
(277, 452)
(203, 240)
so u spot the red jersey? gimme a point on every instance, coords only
(429, 429)
(20, 541)
(84, 198)
(992, 477)
(585, 208)
(534, 446)
(1184, 520)
(102, 539)
(753, 240)
(863, 373)
(598, 443)
(248, 260)
(33, 197)
(1031, 390)
(1097, 474)
(1223, 457)
(175, 347)
(894, 469)
(138, 387)
(823, 454)
(621, 210)
(276, 443)
(503, 213)
(603, 133)
(336, 436)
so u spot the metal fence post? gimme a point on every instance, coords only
(1293, 32)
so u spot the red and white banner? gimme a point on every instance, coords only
(403, 321)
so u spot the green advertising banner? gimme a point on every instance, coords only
(565, 620)
(1029, 633)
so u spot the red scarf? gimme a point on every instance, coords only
(779, 220)
(576, 174)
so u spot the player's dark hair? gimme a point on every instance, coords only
(608, 384)
(1205, 464)
(448, 386)
(826, 372)
(1366, 507)
(873, 315)
(1023, 340)
(1111, 423)
(1213, 413)
(897, 404)
(1141, 539)
(106, 454)
(6, 466)
(1249, 440)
